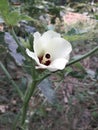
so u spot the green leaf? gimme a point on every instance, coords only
(4, 6)
(95, 115)
(96, 17)
(72, 31)
(79, 66)
(76, 74)
(68, 70)
(25, 43)
(25, 17)
(75, 37)
(12, 18)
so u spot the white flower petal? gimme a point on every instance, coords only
(58, 47)
(58, 64)
(41, 42)
(36, 35)
(50, 34)
(32, 55)
(50, 43)
(41, 66)
(38, 48)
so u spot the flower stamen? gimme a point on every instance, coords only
(47, 56)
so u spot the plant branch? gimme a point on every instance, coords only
(12, 32)
(83, 56)
(11, 80)
(28, 95)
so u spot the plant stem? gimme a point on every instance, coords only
(12, 32)
(83, 56)
(27, 97)
(29, 92)
(11, 80)
(16, 120)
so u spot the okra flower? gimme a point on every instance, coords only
(50, 51)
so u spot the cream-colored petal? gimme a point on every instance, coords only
(41, 42)
(41, 66)
(58, 64)
(37, 45)
(36, 35)
(58, 48)
(32, 55)
(50, 34)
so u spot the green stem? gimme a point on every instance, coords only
(12, 32)
(29, 91)
(83, 56)
(11, 80)
(16, 120)
(28, 95)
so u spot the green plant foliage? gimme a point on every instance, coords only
(78, 74)
(11, 17)
(4, 6)
(75, 37)
(95, 115)
(96, 17)
(81, 37)
(2, 49)
(14, 17)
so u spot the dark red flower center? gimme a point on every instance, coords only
(45, 59)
